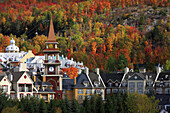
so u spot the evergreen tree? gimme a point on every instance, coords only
(63, 106)
(99, 105)
(93, 104)
(68, 106)
(43, 106)
(120, 104)
(52, 106)
(86, 105)
(82, 110)
(109, 105)
(75, 106)
(35, 103)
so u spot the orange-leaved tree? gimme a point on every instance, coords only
(72, 72)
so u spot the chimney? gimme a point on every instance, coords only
(146, 77)
(72, 59)
(74, 80)
(97, 71)
(158, 70)
(126, 70)
(10, 77)
(29, 51)
(87, 71)
(79, 71)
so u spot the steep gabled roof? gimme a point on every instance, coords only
(112, 76)
(94, 78)
(17, 75)
(80, 79)
(137, 76)
(164, 76)
(68, 84)
(1, 77)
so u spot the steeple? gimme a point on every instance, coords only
(51, 34)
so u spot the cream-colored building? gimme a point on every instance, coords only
(22, 84)
(5, 84)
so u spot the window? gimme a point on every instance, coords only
(115, 90)
(159, 90)
(21, 96)
(5, 88)
(28, 95)
(166, 84)
(110, 84)
(80, 97)
(28, 88)
(157, 83)
(38, 96)
(149, 83)
(98, 91)
(131, 84)
(131, 90)
(80, 91)
(140, 91)
(86, 83)
(43, 88)
(108, 91)
(116, 84)
(140, 84)
(123, 90)
(12, 96)
(21, 88)
(124, 84)
(51, 97)
(167, 91)
(96, 84)
(88, 91)
(44, 97)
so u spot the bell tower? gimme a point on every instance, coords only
(52, 63)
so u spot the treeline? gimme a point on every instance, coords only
(115, 103)
(93, 32)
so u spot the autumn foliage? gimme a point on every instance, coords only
(71, 72)
(87, 30)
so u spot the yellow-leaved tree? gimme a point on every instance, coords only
(141, 103)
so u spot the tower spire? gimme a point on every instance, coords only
(51, 34)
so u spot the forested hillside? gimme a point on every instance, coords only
(109, 34)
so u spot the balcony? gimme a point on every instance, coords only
(51, 61)
(25, 88)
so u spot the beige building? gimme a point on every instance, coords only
(5, 84)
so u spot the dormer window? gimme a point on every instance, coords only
(96, 83)
(166, 84)
(116, 84)
(157, 83)
(86, 83)
(43, 88)
(110, 84)
(149, 83)
(166, 76)
(124, 84)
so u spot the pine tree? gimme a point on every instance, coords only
(63, 106)
(67, 103)
(43, 106)
(93, 104)
(35, 103)
(75, 106)
(86, 105)
(99, 105)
